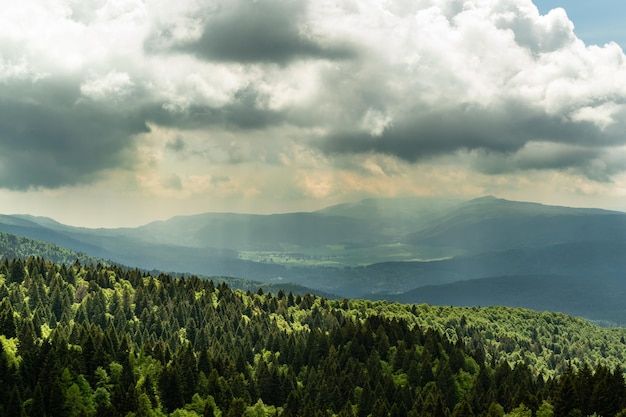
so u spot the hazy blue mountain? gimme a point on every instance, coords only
(121, 246)
(598, 297)
(12, 246)
(274, 232)
(377, 247)
(387, 279)
(393, 217)
(351, 234)
(488, 224)
(366, 223)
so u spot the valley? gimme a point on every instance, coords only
(408, 249)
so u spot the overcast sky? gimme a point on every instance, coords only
(119, 112)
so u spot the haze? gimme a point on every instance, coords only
(119, 112)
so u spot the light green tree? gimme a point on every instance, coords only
(546, 410)
(520, 411)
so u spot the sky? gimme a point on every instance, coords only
(120, 112)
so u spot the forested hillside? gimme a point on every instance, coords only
(108, 341)
(398, 249)
(12, 246)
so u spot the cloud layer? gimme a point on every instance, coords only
(241, 31)
(286, 98)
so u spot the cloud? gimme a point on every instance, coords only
(172, 182)
(50, 135)
(245, 31)
(494, 77)
(113, 87)
(492, 84)
(540, 34)
(218, 179)
(86, 11)
(246, 109)
(501, 130)
(176, 145)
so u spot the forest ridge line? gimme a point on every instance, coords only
(98, 340)
(407, 249)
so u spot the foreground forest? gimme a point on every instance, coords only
(109, 341)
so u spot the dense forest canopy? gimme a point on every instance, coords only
(13, 247)
(98, 340)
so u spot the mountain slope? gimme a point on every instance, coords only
(594, 297)
(489, 224)
(362, 233)
(12, 246)
(106, 340)
(377, 248)
(261, 232)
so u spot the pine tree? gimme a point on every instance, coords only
(38, 404)
(7, 378)
(237, 408)
(13, 406)
(7, 319)
(16, 271)
(566, 399)
(608, 393)
(463, 409)
(27, 349)
(380, 408)
(446, 384)
(367, 401)
(434, 405)
(495, 410)
(144, 406)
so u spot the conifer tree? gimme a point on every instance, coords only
(16, 271)
(566, 399)
(7, 319)
(463, 409)
(434, 404)
(495, 410)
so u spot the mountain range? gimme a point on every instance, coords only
(485, 251)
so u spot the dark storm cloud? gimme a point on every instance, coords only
(502, 131)
(597, 164)
(247, 110)
(263, 31)
(50, 136)
(544, 156)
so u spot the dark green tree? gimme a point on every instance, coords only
(7, 318)
(463, 409)
(17, 272)
(434, 404)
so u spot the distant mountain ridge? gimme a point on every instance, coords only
(17, 247)
(570, 294)
(12, 247)
(488, 224)
(381, 248)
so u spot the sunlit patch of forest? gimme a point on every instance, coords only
(102, 340)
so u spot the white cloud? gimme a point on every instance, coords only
(366, 97)
(114, 86)
(601, 115)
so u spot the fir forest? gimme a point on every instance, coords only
(104, 340)
(312, 208)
